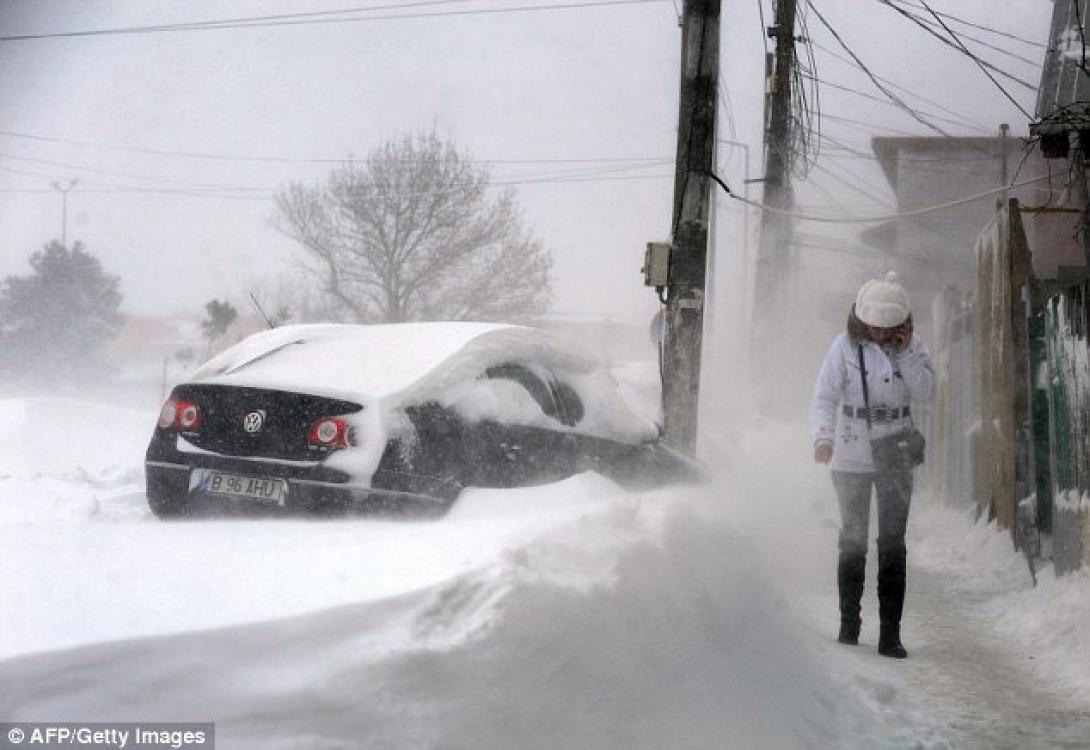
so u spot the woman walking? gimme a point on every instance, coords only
(875, 376)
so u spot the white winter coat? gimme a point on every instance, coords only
(838, 384)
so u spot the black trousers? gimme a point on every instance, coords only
(894, 491)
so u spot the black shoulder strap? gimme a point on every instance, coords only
(863, 378)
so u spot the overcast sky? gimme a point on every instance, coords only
(572, 105)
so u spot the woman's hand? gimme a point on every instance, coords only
(893, 339)
(823, 452)
(900, 337)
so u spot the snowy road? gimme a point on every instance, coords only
(573, 615)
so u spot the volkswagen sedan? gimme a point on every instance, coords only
(331, 418)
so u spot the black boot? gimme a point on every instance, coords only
(849, 633)
(850, 572)
(889, 642)
(891, 596)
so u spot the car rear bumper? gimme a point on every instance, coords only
(307, 492)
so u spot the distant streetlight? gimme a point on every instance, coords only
(64, 206)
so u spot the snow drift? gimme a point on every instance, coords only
(569, 615)
(645, 625)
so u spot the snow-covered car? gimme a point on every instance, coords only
(326, 418)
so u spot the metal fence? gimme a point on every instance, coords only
(1066, 383)
(955, 422)
(1011, 425)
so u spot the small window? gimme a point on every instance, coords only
(525, 377)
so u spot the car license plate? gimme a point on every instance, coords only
(254, 488)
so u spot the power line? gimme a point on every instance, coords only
(850, 149)
(804, 216)
(976, 40)
(889, 94)
(893, 84)
(869, 128)
(563, 176)
(235, 22)
(111, 173)
(959, 48)
(813, 183)
(107, 188)
(609, 168)
(728, 106)
(839, 249)
(867, 190)
(978, 61)
(880, 100)
(971, 24)
(308, 160)
(810, 182)
(243, 24)
(808, 107)
(248, 20)
(865, 129)
(25, 173)
(113, 189)
(764, 26)
(840, 155)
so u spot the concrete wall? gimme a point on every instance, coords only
(935, 250)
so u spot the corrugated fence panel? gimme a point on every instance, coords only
(996, 477)
(1069, 431)
(956, 416)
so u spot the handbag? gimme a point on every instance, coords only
(900, 451)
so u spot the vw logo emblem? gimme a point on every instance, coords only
(254, 421)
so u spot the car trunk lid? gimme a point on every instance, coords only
(259, 422)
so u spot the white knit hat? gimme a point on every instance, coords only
(882, 303)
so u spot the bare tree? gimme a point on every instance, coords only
(412, 233)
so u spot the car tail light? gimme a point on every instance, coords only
(189, 416)
(179, 414)
(331, 432)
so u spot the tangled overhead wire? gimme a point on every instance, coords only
(805, 105)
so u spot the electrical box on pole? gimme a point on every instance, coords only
(687, 267)
(656, 265)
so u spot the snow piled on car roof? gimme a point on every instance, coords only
(363, 361)
(384, 366)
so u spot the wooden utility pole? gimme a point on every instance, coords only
(692, 200)
(773, 262)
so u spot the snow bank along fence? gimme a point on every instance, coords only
(1011, 428)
